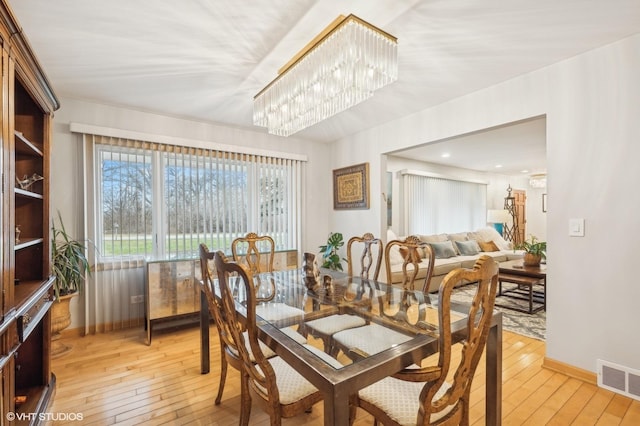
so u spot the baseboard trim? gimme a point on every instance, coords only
(570, 370)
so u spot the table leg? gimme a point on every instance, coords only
(336, 409)
(204, 334)
(493, 400)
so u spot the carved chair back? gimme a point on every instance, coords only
(372, 246)
(413, 251)
(254, 251)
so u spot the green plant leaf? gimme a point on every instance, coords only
(69, 262)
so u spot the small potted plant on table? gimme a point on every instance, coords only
(330, 257)
(534, 251)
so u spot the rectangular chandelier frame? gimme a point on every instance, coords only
(338, 69)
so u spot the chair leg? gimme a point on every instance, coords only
(245, 400)
(223, 375)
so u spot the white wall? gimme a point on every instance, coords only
(591, 102)
(66, 163)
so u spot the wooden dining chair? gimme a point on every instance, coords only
(254, 251)
(422, 396)
(274, 385)
(229, 354)
(413, 252)
(325, 328)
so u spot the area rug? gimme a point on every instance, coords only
(530, 325)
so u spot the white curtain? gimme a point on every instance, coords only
(434, 205)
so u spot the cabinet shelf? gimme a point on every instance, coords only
(27, 194)
(27, 242)
(25, 147)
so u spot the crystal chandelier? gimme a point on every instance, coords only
(538, 181)
(342, 67)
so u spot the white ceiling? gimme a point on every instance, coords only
(205, 60)
(514, 149)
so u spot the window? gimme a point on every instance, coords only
(161, 201)
(436, 205)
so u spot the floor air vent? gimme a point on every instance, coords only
(619, 379)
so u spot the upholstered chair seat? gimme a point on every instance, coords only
(334, 323)
(277, 311)
(267, 352)
(295, 335)
(370, 339)
(400, 399)
(324, 356)
(292, 387)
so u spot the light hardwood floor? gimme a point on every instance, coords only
(114, 378)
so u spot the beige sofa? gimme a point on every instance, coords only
(463, 256)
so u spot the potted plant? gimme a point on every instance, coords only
(534, 250)
(70, 266)
(330, 257)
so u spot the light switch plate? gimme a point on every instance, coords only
(576, 227)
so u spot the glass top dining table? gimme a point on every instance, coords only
(414, 315)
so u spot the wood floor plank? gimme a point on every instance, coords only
(537, 391)
(618, 406)
(567, 414)
(632, 416)
(554, 403)
(594, 408)
(116, 379)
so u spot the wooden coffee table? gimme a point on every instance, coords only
(525, 278)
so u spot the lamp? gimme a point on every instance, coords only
(538, 181)
(340, 68)
(498, 218)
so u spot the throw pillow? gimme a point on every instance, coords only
(404, 252)
(443, 250)
(488, 246)
(468, 248)
(489, 233)
(460, 236)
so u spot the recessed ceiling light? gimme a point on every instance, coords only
(524, 171)
(498, 166)
(446, 155)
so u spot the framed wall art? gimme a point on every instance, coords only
(351, 187)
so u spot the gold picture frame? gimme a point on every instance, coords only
(351, 187)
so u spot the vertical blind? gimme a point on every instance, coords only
(161, 201)
(435, 205)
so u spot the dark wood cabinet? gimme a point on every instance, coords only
(27, 103)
